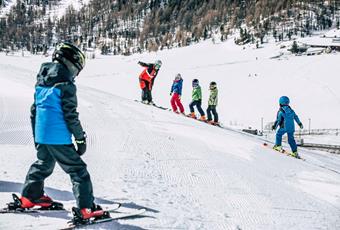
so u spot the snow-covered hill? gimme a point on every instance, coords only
(250, 82)
(57, 11)
(188, 175)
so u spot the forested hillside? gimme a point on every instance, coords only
(130, 26)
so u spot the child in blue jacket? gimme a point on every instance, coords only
(285, 121)
(176, 92)
(55, 120)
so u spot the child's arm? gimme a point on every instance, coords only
(296, 118)
(199, 93)
(172, 88)
(213, 97)
(69, 105)
(144, 64)
(278, 120)
(180, 89)
(195, 94)
(33, 113)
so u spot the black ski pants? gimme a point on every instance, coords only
(69, 160)
(146, 93)
(198, 105)
(212, 110)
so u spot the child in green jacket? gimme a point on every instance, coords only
(212, 103)
(196, 100)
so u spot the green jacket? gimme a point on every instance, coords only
(197, 93)
(213, 97)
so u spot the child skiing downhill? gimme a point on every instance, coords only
(54, 120)
(212, 104)
(176, 92)
(196, 100)
(147, 79)
(285, 122)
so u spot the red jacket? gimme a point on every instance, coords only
(147, 77)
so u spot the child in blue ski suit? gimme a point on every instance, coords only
(285, 121)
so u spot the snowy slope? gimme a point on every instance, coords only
(311, 82)
(187, 174)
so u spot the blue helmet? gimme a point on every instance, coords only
(284, 100)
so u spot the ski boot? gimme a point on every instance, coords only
(192, 115)
(278, 148)
(216, 123)
(23, 203)
(202, 118)
(85, 215)
(295, 154)
(210, 122)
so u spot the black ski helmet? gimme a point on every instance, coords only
(69, 55)
(212, 85)
(195, 82)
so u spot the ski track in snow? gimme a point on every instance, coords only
(180, 167)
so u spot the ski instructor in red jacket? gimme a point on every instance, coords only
(147, 79)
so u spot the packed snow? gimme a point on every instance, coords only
(187, 174)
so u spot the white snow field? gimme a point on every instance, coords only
(187, 174)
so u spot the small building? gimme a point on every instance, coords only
(322, 43)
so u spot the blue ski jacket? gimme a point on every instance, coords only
(285, 119)
(177, 87)
(54, 115)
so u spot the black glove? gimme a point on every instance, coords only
(139, 62)
(170, 94)
(81, 145)
(36, 145)
(301, 126)
(273, 127)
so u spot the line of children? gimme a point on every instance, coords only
(285, 116)
(176, 92)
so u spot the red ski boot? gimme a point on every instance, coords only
(84, 215)
(44, 202)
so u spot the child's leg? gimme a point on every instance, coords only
(215, 113)
(279, 135)
(173, 103)
(72, 164)
(191, 106)
(292, 142)
(144, 94)
(179, 104)
(149, 96)
(199, 107)
(34, 184)
(209, 113)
